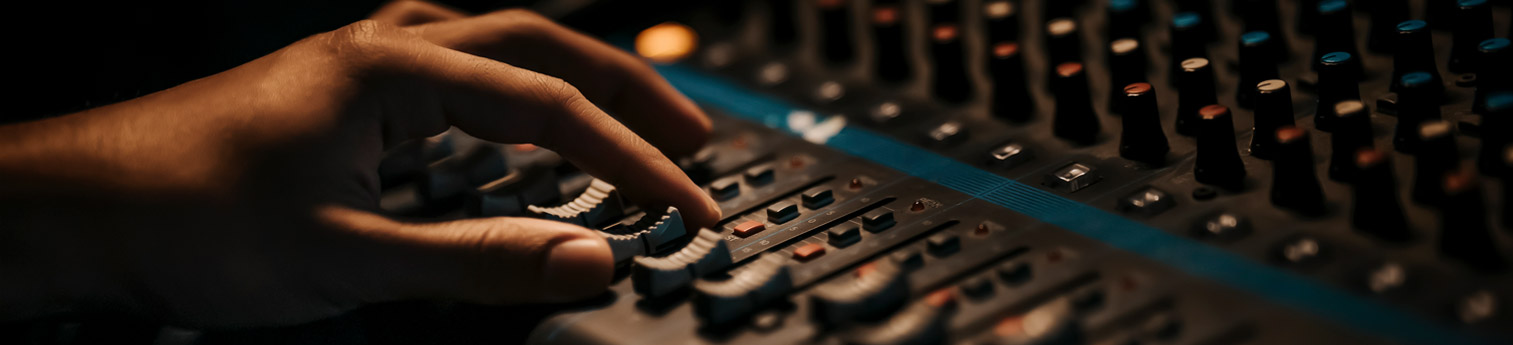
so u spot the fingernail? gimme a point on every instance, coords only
(577, 268)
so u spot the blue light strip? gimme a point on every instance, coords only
(1188, 255)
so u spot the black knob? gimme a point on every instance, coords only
(1260, 15)
(1436, 157)
(1125, 18)
(1002, 17)
(1414, 52)
(1218, 162)
(1352, 133)
(1385, 15)
(952, 84)
(1195, 90)
(1062, 41)
(1491, 66)
(1126, 63)
(1376, 209)
(1187, 40)
(1141, 138)
(1294, 185)
(1495, 127)
(1258, 62)
(781, 27)
(835, 31)
(1075, 119)
(888, 43)
(1273, 111)
(1464, 234)
(1336, 32)
(1059, 9)
(1418, 101)
(1011, 97)
(1308, 16)
(1338, 82)
(1440, 12)
(1473, 24)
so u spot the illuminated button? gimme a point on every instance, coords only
(725, 189)
(1301, 250)
(843, 235)
(809, 252)
(817, 197)
(1223, 226)
(748, 228)
(947, 134)
(1386, 278)
(782, 212)
(877, 220)
(1014, 273)
(943, 244)
(1476, 307)
(1008, 155)
(759, 175)
(1146, 202)
(1072, 177)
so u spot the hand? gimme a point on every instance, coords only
(247, 198)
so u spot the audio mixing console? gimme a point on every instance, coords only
(1063, 172)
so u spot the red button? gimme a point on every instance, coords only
(749, 228)
(809, 252)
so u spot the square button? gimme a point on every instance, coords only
(1072, 177)
(843, 235)
(809, 251)
(748, 228)
(782, 212)
(1008, 155)
(1146, 202)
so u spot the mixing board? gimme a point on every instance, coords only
(1054, 172)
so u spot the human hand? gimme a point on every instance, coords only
(247, 198)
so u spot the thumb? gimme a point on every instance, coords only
(486, 260)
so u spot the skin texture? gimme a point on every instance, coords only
(247, 198)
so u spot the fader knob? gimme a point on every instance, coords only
(1376, 210)
(761, 283)
(1338, 82)
(658, 276)
(1258, 62)
(1141, 138)
(1417, 101)
(648, 235)
(1464, 234)
(1195, 90)
(1473, 24)
(1075, 120)
(1011, 98)
(1294, 184)
(888, 43)
(1273, 111)
(1218, 160)
(1414, 52)
(1351, 134)
(922, 322)
(1436, 157)
(952, 83)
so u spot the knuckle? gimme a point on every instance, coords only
(366, 41)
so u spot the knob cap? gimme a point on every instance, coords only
(1141, 138)
(1414, 52)
(1464, 234)
(1472, 25)
(1376, 210)
(1011, 98)
(1195, 90)
(659, 276)
(1418, 101)
(1436, 157)
(598, 206)
(1338, 82)
(649, 235)
(1351, 134)
(1075, 120)
(1273, 111)
(1258, 62)
(952, 84)
(761, 283)
(888, 43)
(1218, 160)
(1294, 185)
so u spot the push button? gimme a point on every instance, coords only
(877, 220)
(809, 251)
(725, 189)
(843, 235)
(817, 197)
(759, 175)
(941, 245)
(1146, 202)
(1008, 155)
(782, 212)
(1072, 177)
(908, 259)
(748, 228)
